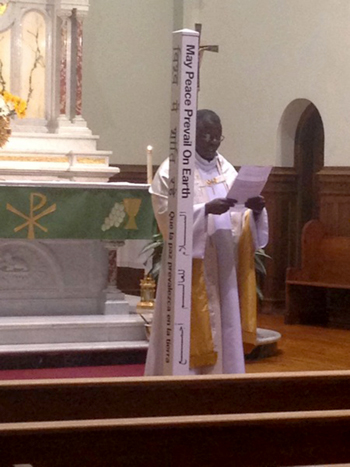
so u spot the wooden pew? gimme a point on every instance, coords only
(325, 264)
(249, 420)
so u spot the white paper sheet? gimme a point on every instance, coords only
(249, 182)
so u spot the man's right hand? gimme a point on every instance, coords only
(219, 205)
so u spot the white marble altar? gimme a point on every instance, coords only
(45, 273)
(53, 291)
(52, 277)
(41, 61)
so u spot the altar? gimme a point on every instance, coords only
(56, 240)
(61, 222)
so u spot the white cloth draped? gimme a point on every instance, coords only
(215, 239)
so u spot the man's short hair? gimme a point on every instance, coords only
(208, 116)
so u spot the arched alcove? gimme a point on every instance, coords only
(308, 161)
(300, 144)
(287, 130)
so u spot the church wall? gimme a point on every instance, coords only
(275, 58)
(274, 55)
(126, 76)
(271, 53)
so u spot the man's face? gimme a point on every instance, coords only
(208, 139)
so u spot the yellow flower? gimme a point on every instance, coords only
(18, 104)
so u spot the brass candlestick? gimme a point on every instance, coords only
(145, 307)
(148, 288)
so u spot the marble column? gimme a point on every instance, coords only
(77, 61)
(63, 64)
(65, 69)
(79, 66)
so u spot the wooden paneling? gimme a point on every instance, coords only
(280, 193)
(281, 200)
(334, 183)
(129, 279)
(131, 173)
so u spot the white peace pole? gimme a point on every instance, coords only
(180, 208)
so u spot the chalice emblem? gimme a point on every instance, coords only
(132, 207)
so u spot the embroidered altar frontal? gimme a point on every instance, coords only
(105, 211)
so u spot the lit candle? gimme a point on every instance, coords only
(149, 164)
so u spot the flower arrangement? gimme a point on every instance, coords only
(10, 106)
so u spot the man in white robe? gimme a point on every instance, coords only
(216, 333)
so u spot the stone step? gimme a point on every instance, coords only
(29, 349)
(50, 141)
(77, 330)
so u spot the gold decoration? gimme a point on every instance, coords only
(31, 220)
(148, 288)
(33, 159)
(212, 181)
(145, 307)
(5, 130)
(93, 160)
(131, 206)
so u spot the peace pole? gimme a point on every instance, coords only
(180, 201)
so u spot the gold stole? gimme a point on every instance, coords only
(202, 346)
(246, 280)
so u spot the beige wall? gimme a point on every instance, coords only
(272, 52)
(126, 80)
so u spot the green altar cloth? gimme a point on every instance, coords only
(48, 210)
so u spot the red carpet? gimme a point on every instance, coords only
(76, 372)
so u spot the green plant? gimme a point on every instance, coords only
(155, 249)
(260, 270)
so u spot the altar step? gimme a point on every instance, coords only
(71, 330)
(61, 341)
(58, 342)
(29, 349)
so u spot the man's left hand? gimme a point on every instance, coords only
(256, 204)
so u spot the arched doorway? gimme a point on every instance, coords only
(308, 160)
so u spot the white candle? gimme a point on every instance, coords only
(149, 164)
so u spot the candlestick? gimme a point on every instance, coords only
(149, 164)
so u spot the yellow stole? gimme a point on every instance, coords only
(246, 280)
(202, 346)
(202, 351)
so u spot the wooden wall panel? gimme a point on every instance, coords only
(280, 194)
(334, 183)
(131, 173)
